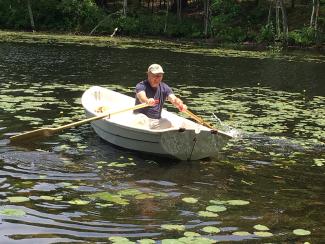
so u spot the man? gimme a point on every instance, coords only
(151, 90)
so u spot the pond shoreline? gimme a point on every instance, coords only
(247, 50)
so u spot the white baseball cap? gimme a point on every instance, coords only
(155, 69)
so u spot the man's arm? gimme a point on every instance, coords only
(144, 99)
(177, 102)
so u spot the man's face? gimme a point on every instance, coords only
(154, 79)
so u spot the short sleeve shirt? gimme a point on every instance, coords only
(160, 93)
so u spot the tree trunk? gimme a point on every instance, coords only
(277, 18)
(179, 9)
(284, 21)
(317, 14)
(125, 6)
(166, 17)
(206, 16)
(269, 15)
(31, 17)
(314, 14)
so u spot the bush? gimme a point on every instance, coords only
(79, 15)
(267, 34)
(231, 34)
(235, 22)
(185, 28)
(152, 25)
(304, 37)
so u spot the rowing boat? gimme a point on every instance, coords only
(183, 140)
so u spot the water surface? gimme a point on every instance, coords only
(74, 187)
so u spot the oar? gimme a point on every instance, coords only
(44, 132)
(206, 124)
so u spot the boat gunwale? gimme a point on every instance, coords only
(143, 130)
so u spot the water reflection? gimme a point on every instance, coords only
(75, 187)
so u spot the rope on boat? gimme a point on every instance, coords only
(194, 140)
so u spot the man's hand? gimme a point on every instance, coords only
(178, 103)
(151, 102)
(182, 108)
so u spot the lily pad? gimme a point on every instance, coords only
(12, 212)
(189, 200)
(72, 187)
(319, 162)
(211, 229)
(263, 233)
(104, 204)
(51, 198)
(301, 232)
(106, 196)
(188, 240)
(173, 227)
(216, 208)
(196, 240)
(217, 202)
(203, 240)
(65, 184)
(191, 234)
(120, 239)
(120, 165)
(78, 202)
(18, 199)
(207, 214)
(237, 202)
(129, 192)
(144, 196)
(261, 227)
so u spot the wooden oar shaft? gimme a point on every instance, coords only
(206, 124)
(43, 132)
(198, 119)
(85, 121)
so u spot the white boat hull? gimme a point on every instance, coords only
(185, 140)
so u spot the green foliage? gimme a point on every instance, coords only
(228, 8)
(267, 34)
(232, 21)
(79, 15)
(12, 14)
(186, 28)
(231, 34)
(305, 36)
(224, 12)
(65, 15)
(142, 25)
(151, 24)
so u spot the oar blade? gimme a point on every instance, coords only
(31, 135)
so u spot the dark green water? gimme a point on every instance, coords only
(70, 189)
